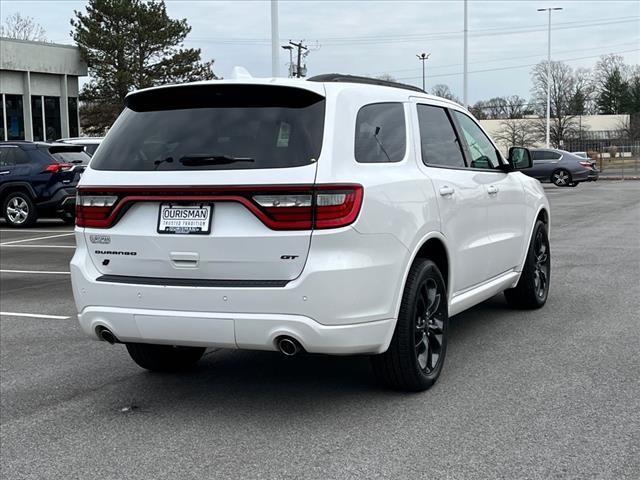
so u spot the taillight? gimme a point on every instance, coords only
(57, 167)
(326, 206)
(586, 164)
(296, 207)
(94, 210)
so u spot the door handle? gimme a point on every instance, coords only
(446, 190)
(492, 189)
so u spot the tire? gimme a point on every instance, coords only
(18, 210)
(417, 351)
(532, 289)
(561, 177)
(164, 358)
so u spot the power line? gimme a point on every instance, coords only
(519, 57)
(403, 38)
(520, 66)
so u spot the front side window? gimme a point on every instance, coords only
(438, 140)
(483, 153)
(381, 134)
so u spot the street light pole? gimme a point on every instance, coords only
(275, 51)
(549, 71)
(423, 57)
(465, 80)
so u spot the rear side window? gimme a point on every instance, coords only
(215, 127)
(10, 156)
(381, 134)
(438, 140)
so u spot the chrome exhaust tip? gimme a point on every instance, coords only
(106, 335)
(288, 346)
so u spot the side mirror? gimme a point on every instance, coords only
(520, 158)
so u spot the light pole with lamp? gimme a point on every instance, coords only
(549, 70)
(423, 57)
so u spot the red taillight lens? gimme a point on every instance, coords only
(57, 167)
(94, 211)
(337, 206)
(326, 206)
(586, 164)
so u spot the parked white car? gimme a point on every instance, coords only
(336, 215)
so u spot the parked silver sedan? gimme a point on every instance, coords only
(562, 168)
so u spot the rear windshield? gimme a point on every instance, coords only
(72, 157)
(218, 127)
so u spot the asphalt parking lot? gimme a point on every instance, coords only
(553, 393)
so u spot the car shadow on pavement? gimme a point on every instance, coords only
(241, 381)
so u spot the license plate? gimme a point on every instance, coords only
(185, 219)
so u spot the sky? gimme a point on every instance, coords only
(374, 37)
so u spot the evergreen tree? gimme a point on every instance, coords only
(613, 95)
(130, 44)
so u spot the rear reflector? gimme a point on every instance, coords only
(297, 207)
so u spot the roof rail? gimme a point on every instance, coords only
(339, 77)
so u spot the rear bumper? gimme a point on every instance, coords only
(585, 176)
(344, 302)
(246, 331)
(63, 202)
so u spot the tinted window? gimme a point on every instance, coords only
(10, 156)
(381, 134)
(72, 157)
(19, 156)
(4, 157)
(15, 117)
(536, 155)
(438, 140)
(91, 148)
(483, 153)
(215, 128)
(551, 155)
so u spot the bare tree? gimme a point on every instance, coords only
(442, 90)
(516, 132)
(387, 77)
(564, 124)
(22, 28)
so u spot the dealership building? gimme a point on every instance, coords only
(39, 87)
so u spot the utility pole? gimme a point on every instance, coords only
(298, 71)
(549, 71)
(290, 49)
(465, 79)
(275, 52)
(423, 57)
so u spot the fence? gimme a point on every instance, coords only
(618, 159)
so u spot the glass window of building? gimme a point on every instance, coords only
(36, 119)
(52, 123)
(73, 117)
(15, 117)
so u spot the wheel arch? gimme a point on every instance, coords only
(10, 187)
(543, 215)
(434, 247)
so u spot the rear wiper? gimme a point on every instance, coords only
(206, 159)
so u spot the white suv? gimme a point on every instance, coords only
(336, 215)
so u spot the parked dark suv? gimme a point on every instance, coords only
(39, 180)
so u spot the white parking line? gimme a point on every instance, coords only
(45, 272)
(34, 239)
(33, 315)
(37, 246)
